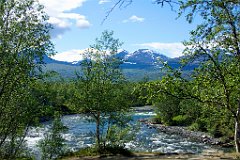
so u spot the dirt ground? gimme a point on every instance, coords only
(206, 155)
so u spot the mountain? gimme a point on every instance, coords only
(149, 59)
(121, 54)
(145, 56)
(141, 57)
(136, 65)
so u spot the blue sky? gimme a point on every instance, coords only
(142, 24)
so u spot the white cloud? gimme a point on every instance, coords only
(169, 49)
(103, 1)
(134, 19)
(75, 55)
(81, 20)
(60, 16)
(69, 56)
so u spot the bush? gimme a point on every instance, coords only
(199, 125)
(108, 150)
(118, 150)
(156, 119)
(52, 146)
(89, 151)
(194, 127)
(167, 109)
(181, 120)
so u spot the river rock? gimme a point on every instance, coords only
(184, 132)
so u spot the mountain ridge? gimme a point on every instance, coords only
(142, 56)
(136, 65)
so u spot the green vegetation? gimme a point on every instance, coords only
(99, 90)
(206, 100)
(133, 75)
(209, 98)
(52, 146)
(24, 36)
(93, 151)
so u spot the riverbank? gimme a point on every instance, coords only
(184, 132)
(205, 155)
(208, 153)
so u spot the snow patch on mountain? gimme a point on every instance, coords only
(145, 56)
(129, 63)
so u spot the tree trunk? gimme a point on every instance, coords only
(236, 136)
(237, 130)
(98, 129)
(107, 133)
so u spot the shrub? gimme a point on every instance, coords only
(108, 150)
(194, 126)
(199, 125)
(167, 109)
(156, 119)
(52, 146)
(181, 120)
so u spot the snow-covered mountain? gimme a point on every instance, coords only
(141, 56)
(145, 56)
(122, 54)
(136, 65)
(140, 59)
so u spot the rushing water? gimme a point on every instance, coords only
(81, 129)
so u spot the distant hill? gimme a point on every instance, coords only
(136, 65)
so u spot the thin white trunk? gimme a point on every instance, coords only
(236, 136)
(237, 130)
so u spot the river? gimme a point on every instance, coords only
(81, 129)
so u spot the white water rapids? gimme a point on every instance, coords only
(80, 135)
